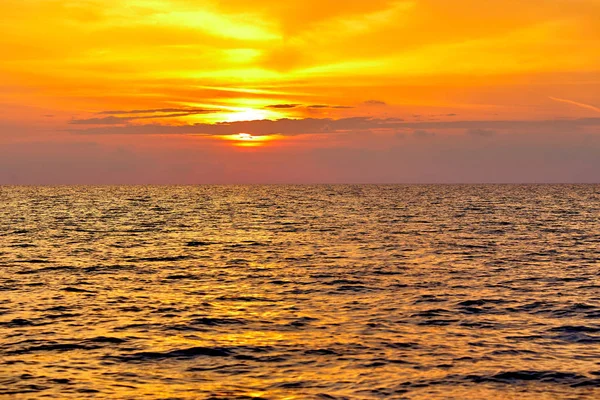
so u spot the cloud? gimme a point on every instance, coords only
(293, 127)
(120, 117)
(575, 103)
(313, 106)
(279, 106)
(285, 126)
(327, 106)
(552, 124)
(375, 103)
(161, 110)
(257, 127)
(123, 120)
(100, 121)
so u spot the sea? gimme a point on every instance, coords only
(300, 292)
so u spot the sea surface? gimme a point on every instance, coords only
(300, 292)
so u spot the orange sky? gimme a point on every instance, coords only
(157, 79)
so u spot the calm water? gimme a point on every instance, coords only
(300, 292)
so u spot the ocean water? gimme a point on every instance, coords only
(300, 292)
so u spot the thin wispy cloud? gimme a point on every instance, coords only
(161, 110)
(283, 106)
(101, 121)
(112, 120)
(375, 103)
(310, 107)
(327, 106)
(576, 103)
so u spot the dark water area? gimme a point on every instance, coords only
(300, 292)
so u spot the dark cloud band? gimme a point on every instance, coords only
(355, 124)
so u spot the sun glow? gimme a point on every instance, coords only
(248, 140)
(247, 114)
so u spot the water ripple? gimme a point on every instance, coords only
(300, 292)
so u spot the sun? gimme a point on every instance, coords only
(245, 136)
(247, 140)
(247, 114)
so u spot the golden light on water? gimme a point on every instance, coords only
(292, 292)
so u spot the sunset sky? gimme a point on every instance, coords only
(271, 91)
